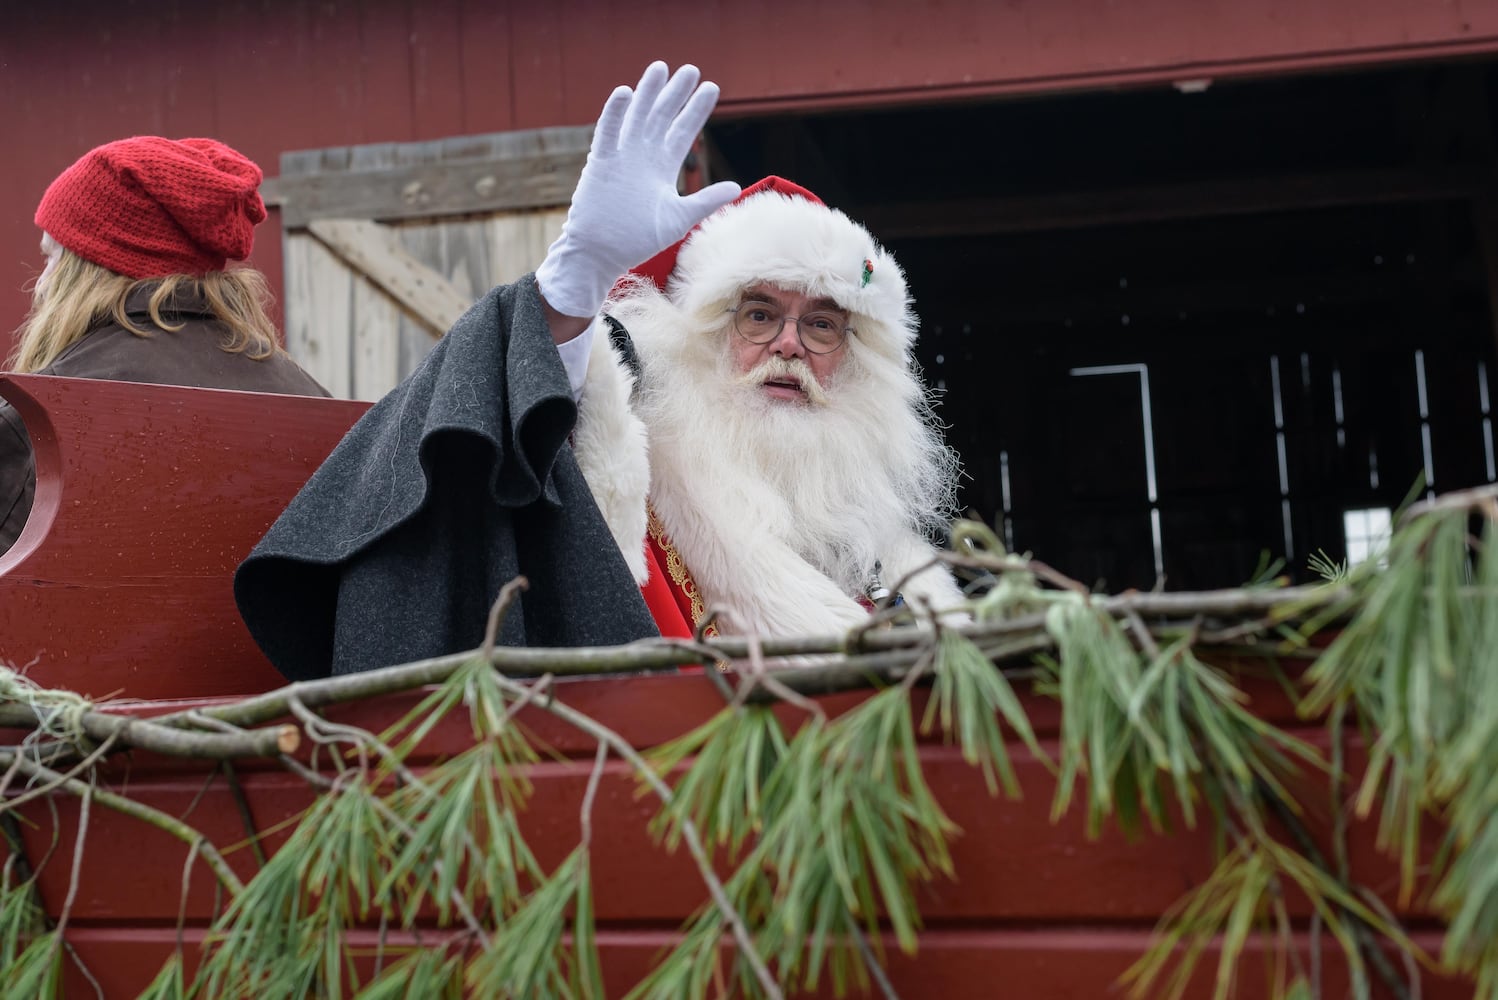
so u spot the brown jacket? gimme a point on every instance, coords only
(190, 356)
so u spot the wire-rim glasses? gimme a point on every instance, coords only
(759, 322)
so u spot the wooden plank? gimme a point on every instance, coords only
(436, 85)
(1011, 862)
(319, 312)
(518, 242)
(375, 251)
(538, 44)
(376, 355)
(1078, 962)
(148, 497)
(378, 321)
(481, 51)
(463, 256)
(414, 338)
(535, 169)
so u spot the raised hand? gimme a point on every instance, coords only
(625, 208)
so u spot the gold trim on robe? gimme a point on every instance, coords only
(676, 570)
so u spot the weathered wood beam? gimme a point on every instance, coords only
(1164, 202)
(374, 251)
(492, 173)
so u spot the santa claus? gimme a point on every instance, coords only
(772, 454)
(767, 451)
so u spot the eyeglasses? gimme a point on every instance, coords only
(761, 322)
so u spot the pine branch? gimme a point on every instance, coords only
(881, 656)
(621, 747)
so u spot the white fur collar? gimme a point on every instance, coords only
(610, 444)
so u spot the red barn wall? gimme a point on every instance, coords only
(273, 75)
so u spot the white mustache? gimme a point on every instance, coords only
(776, 367)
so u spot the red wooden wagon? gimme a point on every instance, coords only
(120, 586)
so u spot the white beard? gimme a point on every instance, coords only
(780, 509)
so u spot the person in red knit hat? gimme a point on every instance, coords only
(138, 236)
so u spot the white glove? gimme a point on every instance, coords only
(626, 209)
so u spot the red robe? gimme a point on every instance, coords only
(670, 592)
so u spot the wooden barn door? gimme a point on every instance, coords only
(386, 245)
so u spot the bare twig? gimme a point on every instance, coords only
(871, 962)
(157, 736)
(937, 559)
(514, 662)
(242, 806)
(83, 970)
(87, 796)
(1367, 945)
(1314, 944)
(532, 692)
(1142, 633)
(156, 818)
(192, 855)
(1470, 499)
(46, 788)
(585, 816)
(501, 607)
(712, 665)
(760, 677)
(10, 775)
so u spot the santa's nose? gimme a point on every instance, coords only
(787, 343)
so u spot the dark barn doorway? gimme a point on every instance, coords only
(1180, 331)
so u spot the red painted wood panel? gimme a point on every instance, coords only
(1075, 964)
(274, 75)
(437, 95)
(1012, 863)
(132, 485)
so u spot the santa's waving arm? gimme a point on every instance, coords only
(626, 207)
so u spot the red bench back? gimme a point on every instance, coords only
(147, 498)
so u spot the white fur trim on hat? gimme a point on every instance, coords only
(798, 245)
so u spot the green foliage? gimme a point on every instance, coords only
(170, 983)
(527, 958)
(429, 973)
(30, 954)
(384, 843)
(283, 935)
(969, 698)
(21, 919)
(733, 754)
(464, 802)
(846, 827)
(1418, 665)
(1244, 893)
(1136, 724)
(36, 971)
(1328, 569)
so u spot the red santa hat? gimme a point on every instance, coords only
(147, 207)
(780, 233)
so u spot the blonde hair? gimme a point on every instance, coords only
(79, 296)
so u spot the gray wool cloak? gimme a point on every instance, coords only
(456, 482)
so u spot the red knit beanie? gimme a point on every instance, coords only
(146, 207)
